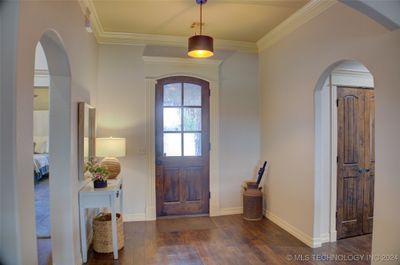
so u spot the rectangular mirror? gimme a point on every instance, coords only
(86, 137)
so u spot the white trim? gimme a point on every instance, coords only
(105, 37)
(333, 163)
(325, 238)
(231, 211)
(135, 217)
(294, 231)
(303, 15)
(150, 144)
(166, 40)
(159, 67)
(163, 60)
(352, 78)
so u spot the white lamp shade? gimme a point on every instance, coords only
(110, 147)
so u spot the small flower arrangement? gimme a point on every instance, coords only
(99, 174)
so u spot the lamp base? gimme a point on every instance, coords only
(112, 165)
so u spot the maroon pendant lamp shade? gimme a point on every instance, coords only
(201, 46)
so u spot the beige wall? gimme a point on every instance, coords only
(289, 73)
(9, 240)
(35, 18)
(239, 127)
(121, 112)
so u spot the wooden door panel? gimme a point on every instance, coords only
(350, 131)
(182, 146)
(194, 183)
(368, 204)
(350, 124)
(351, 206)
(355, 175)
(370, 161)
(171, 184)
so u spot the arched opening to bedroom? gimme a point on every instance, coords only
(344, 153)
(41, 168)
(52, 143)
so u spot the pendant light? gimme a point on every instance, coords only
(201, 46)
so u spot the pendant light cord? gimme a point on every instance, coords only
(201, 19)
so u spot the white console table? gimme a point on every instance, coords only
(90, 197)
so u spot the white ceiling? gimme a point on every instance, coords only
(235, 20)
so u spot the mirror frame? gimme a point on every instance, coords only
(90, 119)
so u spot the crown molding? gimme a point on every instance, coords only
(167, 40)
(299, 18)
(105, 37)
(156, 59)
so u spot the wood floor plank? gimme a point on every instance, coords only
(224, 240)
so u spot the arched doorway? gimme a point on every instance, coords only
(344, 176)
(41, 172)
(60, 137)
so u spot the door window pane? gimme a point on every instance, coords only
(172, 144)
(191, 94)
(192, 144)
(192, 119)
(173, 94)
(172, 119)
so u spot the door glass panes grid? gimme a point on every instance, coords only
(182, 128)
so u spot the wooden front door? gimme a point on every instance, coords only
(356, 161)
(182, 146)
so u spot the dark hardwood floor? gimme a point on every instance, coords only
(225, 240)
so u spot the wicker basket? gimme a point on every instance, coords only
(102, 233)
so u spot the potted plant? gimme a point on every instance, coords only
(99, 174)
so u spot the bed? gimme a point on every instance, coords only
(40, 166)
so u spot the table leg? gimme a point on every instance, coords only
(114, 228)
(83, 234)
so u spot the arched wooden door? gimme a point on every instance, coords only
(182, 146)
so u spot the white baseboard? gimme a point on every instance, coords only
(325, 238)
(231, 210)
(333, 237)
(134, 217)
(294, 231)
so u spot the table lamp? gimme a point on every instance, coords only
(110, 148)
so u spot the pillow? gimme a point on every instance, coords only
(41, 145)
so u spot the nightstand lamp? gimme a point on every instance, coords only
(111, 148)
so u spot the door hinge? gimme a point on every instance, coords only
(209, 92)
(337, 102)
(209, 195)
(336, 214)
(337, 159)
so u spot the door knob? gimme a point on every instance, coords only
(363, 170)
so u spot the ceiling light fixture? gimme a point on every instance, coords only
(201, 46)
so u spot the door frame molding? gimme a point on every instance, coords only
(326, 148)
(161, 67)
(350, 79)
